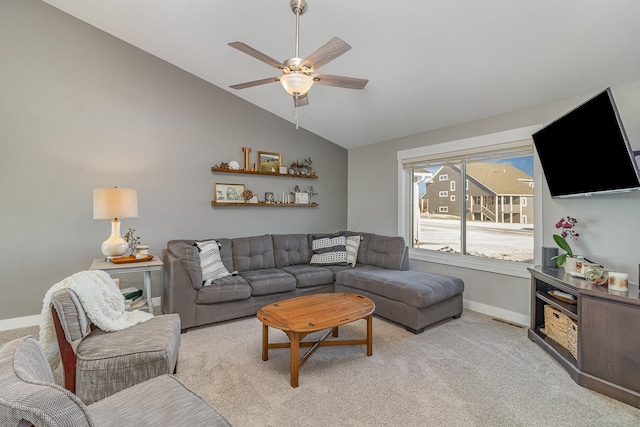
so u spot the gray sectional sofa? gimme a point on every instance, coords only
(274, 267)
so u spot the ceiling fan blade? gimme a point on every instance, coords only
(256, 83)
(300, 101)
(327, 52)
(258, 55)
(339, 81)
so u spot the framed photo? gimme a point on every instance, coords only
(268, 197)
(269, 162)
(302, 198)
(228, 193)
(284, 170)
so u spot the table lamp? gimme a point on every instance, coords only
(115, 203)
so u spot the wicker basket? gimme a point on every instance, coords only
(560, 328)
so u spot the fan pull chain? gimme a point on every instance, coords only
(296, 115)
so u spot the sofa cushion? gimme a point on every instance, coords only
(415, 288)
(269, 281)
(308, 276)
(381, 251)
(190, 259)
(328, 250)
(253, 253)
(229, 288)
(352, 244)
(210, 261)
(161, 401)
(291, 249)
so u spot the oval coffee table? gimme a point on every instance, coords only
(300, 316)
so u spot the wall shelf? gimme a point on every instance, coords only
(244, 172)
(269, 205)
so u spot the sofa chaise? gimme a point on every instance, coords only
(260, 270)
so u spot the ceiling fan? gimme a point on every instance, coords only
(297, 76)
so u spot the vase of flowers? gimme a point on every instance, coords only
(566, 225)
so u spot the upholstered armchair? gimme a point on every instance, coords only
(30, 397)
(97, 363)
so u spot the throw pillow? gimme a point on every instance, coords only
(328, 250)
(352, 244)
(210, 261)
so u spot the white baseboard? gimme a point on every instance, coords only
(19, 322)
(25, 322)
(499, 313)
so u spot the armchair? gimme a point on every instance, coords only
(30, 397)
(103, 363)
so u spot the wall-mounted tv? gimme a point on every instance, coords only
(586, 151)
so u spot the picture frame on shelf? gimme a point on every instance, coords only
(269, 197)
(269, 162)
(228, 193)
(302, 198)
(283, 170)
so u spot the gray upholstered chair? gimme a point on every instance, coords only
(30, 397)
(103, 363)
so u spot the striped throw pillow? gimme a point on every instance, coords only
(328, 250)
(210, 261)
(352, 243)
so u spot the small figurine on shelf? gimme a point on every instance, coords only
(308, 165)
(312, 192)
(223, 165)
(132, 241)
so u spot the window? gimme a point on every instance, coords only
(493, 218)
(443, 194)
(443, 177)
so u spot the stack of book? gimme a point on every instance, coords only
(133, 299)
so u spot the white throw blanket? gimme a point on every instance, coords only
(101, 300)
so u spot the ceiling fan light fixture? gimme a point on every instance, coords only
(296, 83)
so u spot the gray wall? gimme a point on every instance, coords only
(610, 225)
(80, 109)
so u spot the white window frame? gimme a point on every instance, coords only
(443, 177)
(443, 194)
(459, 260)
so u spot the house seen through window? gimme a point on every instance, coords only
(490, 216)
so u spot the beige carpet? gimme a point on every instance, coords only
(473, 371)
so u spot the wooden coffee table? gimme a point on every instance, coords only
(300, 316)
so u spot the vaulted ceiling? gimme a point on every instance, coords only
(429, 64)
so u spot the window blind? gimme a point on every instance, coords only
(483, 154)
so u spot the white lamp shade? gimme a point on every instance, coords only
(110, 203)
(296, 83)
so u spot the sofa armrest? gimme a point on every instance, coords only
(178, 294)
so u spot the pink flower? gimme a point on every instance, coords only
(567, 224)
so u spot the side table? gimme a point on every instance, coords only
(135, 267)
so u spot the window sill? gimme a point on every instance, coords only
(508, 268)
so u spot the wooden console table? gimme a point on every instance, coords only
(608, 354)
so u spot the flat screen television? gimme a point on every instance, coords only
(586, 151)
